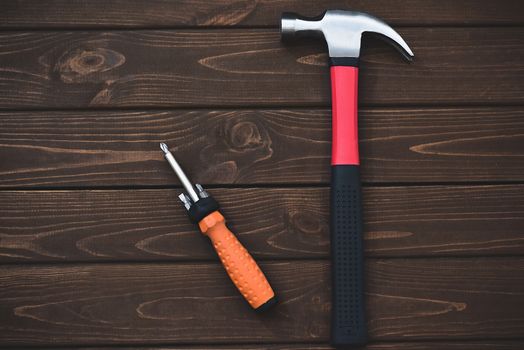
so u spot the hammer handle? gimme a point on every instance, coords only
(344, 95)
(348, 321)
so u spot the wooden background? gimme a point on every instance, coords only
(95, 248)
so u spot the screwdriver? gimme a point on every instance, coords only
(239, 264)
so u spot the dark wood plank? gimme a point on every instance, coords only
(102, 148)
(272, 223)
(252, 67)
(427, 345)
(161, 13)
(411, 299)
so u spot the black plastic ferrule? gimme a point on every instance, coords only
(344, 61)
(202, 208)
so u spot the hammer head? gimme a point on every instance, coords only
(342, 31)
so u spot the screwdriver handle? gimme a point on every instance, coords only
(239, 264)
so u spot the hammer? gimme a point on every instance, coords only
(342, 31)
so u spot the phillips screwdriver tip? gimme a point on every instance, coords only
(164, 147)
(179, 172)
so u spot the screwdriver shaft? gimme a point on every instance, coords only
(180, 173)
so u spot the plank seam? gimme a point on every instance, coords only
(241, 27)
(213, 261)
(262, 186)
(304, 105)
(251, 107)
(238, 345)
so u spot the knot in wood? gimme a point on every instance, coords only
(83, 65)
(246, 135)
(306, 221)
(307, 227)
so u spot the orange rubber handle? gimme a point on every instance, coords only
(240, 265)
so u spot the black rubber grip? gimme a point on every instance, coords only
(348, 321)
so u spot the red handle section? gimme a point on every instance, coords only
(344, 91)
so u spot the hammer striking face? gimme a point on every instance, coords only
(342, 31)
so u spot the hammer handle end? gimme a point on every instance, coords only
(348, 321)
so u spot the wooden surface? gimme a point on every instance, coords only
(103, 148)
(147, 225)
(186, 68)
(245, 13)
(96, 252)
(407, 299)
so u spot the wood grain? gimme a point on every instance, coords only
(411, 299)
(426, 345)
(120, 148)
(195, 68)
(122, 267)
(142, 225)
(161, 13)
